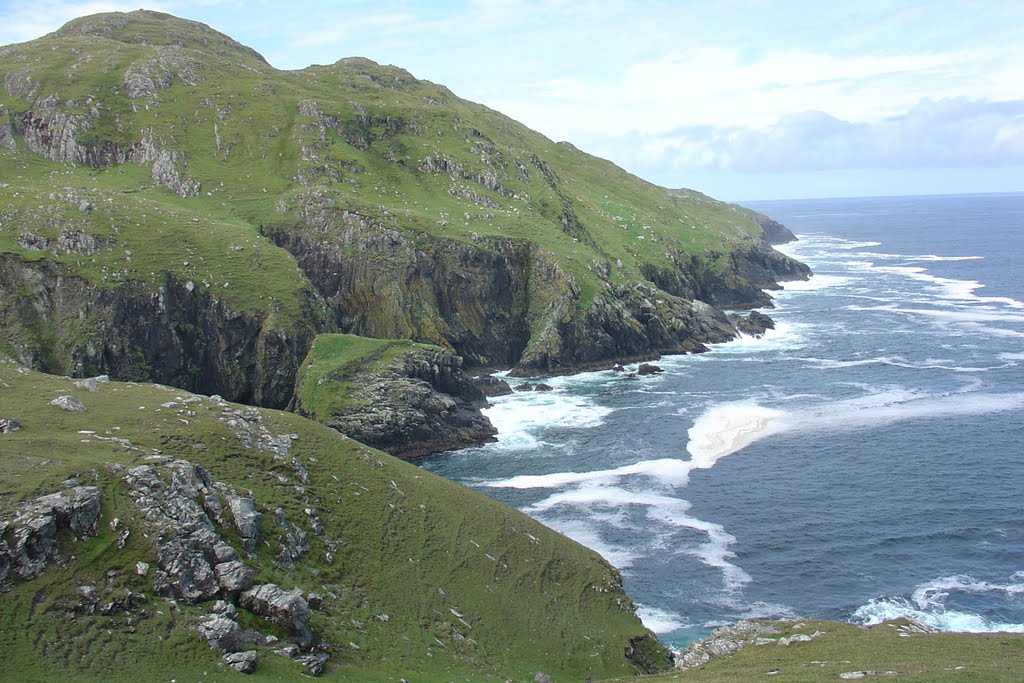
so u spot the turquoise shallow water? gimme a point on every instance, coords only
(863, 461)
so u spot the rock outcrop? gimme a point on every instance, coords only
(28, 542)
(409, 400)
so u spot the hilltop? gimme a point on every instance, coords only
(165, 188)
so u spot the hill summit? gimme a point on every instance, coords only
(175, 209)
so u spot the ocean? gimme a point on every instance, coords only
(863, 461)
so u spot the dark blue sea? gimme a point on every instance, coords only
(863, 461)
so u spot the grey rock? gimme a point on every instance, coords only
(648, 369)
(242, 661)
(8, 425)
(540, 386)
(186, 559)
(287, 609)
(723, 642)
(492, 386)
(92, 384)
(234, 576)
(541, 677)
(314, 600)
(314, 661)
(68, 403)
(221, 632)
(33, 531)
(247, 520)
(225, 608)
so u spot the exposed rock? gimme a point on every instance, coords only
(295, 543)
(618, 368)
(648, 369)
(754, 325)
(68, 403)
(723, 642)
(287, 609)
(92, 384)
(32, 534)
(221, 632)
(247, 520)
(419, 403)
(541, 677)
(234, 576)
(491, 386)
(244, 662)
(179, 337)
(540, 386)
(525, 386)
(314, 661)
(7, 425)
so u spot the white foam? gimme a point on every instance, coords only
(670, 512)
(729, 427)
(659, 620)
(665, 470)
(900, 362)
(928, 605)
(785, 336)
(816, 282)
(518, 417)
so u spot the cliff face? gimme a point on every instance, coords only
(172, 334)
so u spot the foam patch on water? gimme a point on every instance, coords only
(668, 512)
(816, 282)
(928, 604)
(785, 336)
(521, 416)
(659, 620)
(728, 427)
(900, 362)
(665, 470)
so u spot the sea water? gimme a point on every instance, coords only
(863, 461)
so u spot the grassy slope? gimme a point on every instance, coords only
(254, 111)
(412, 546)
(920, 658)
(323, 386)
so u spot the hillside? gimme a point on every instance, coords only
(122, 524)
(173, 208)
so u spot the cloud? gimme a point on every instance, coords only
(947, 133)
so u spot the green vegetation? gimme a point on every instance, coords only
(407, 544)
(325, 377)
(266, 145)
(887, 651)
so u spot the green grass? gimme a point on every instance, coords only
(237, 124)
(409, 544)
(923, 658)
(335, 361)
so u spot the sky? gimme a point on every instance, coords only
(740, 99)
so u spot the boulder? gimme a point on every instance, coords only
(287, 609)
(68, 403)
(244, 662)
(525, 386)
(753, 325)
(92, 384)
(314, 661)
(543, 387)
(247, 520)
(221, 632)
(234, 576)
(648, 369)
(491, 386)
(8, 425)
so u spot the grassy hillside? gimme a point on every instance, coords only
(137, 148)
(891, 651)
(421, 578)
